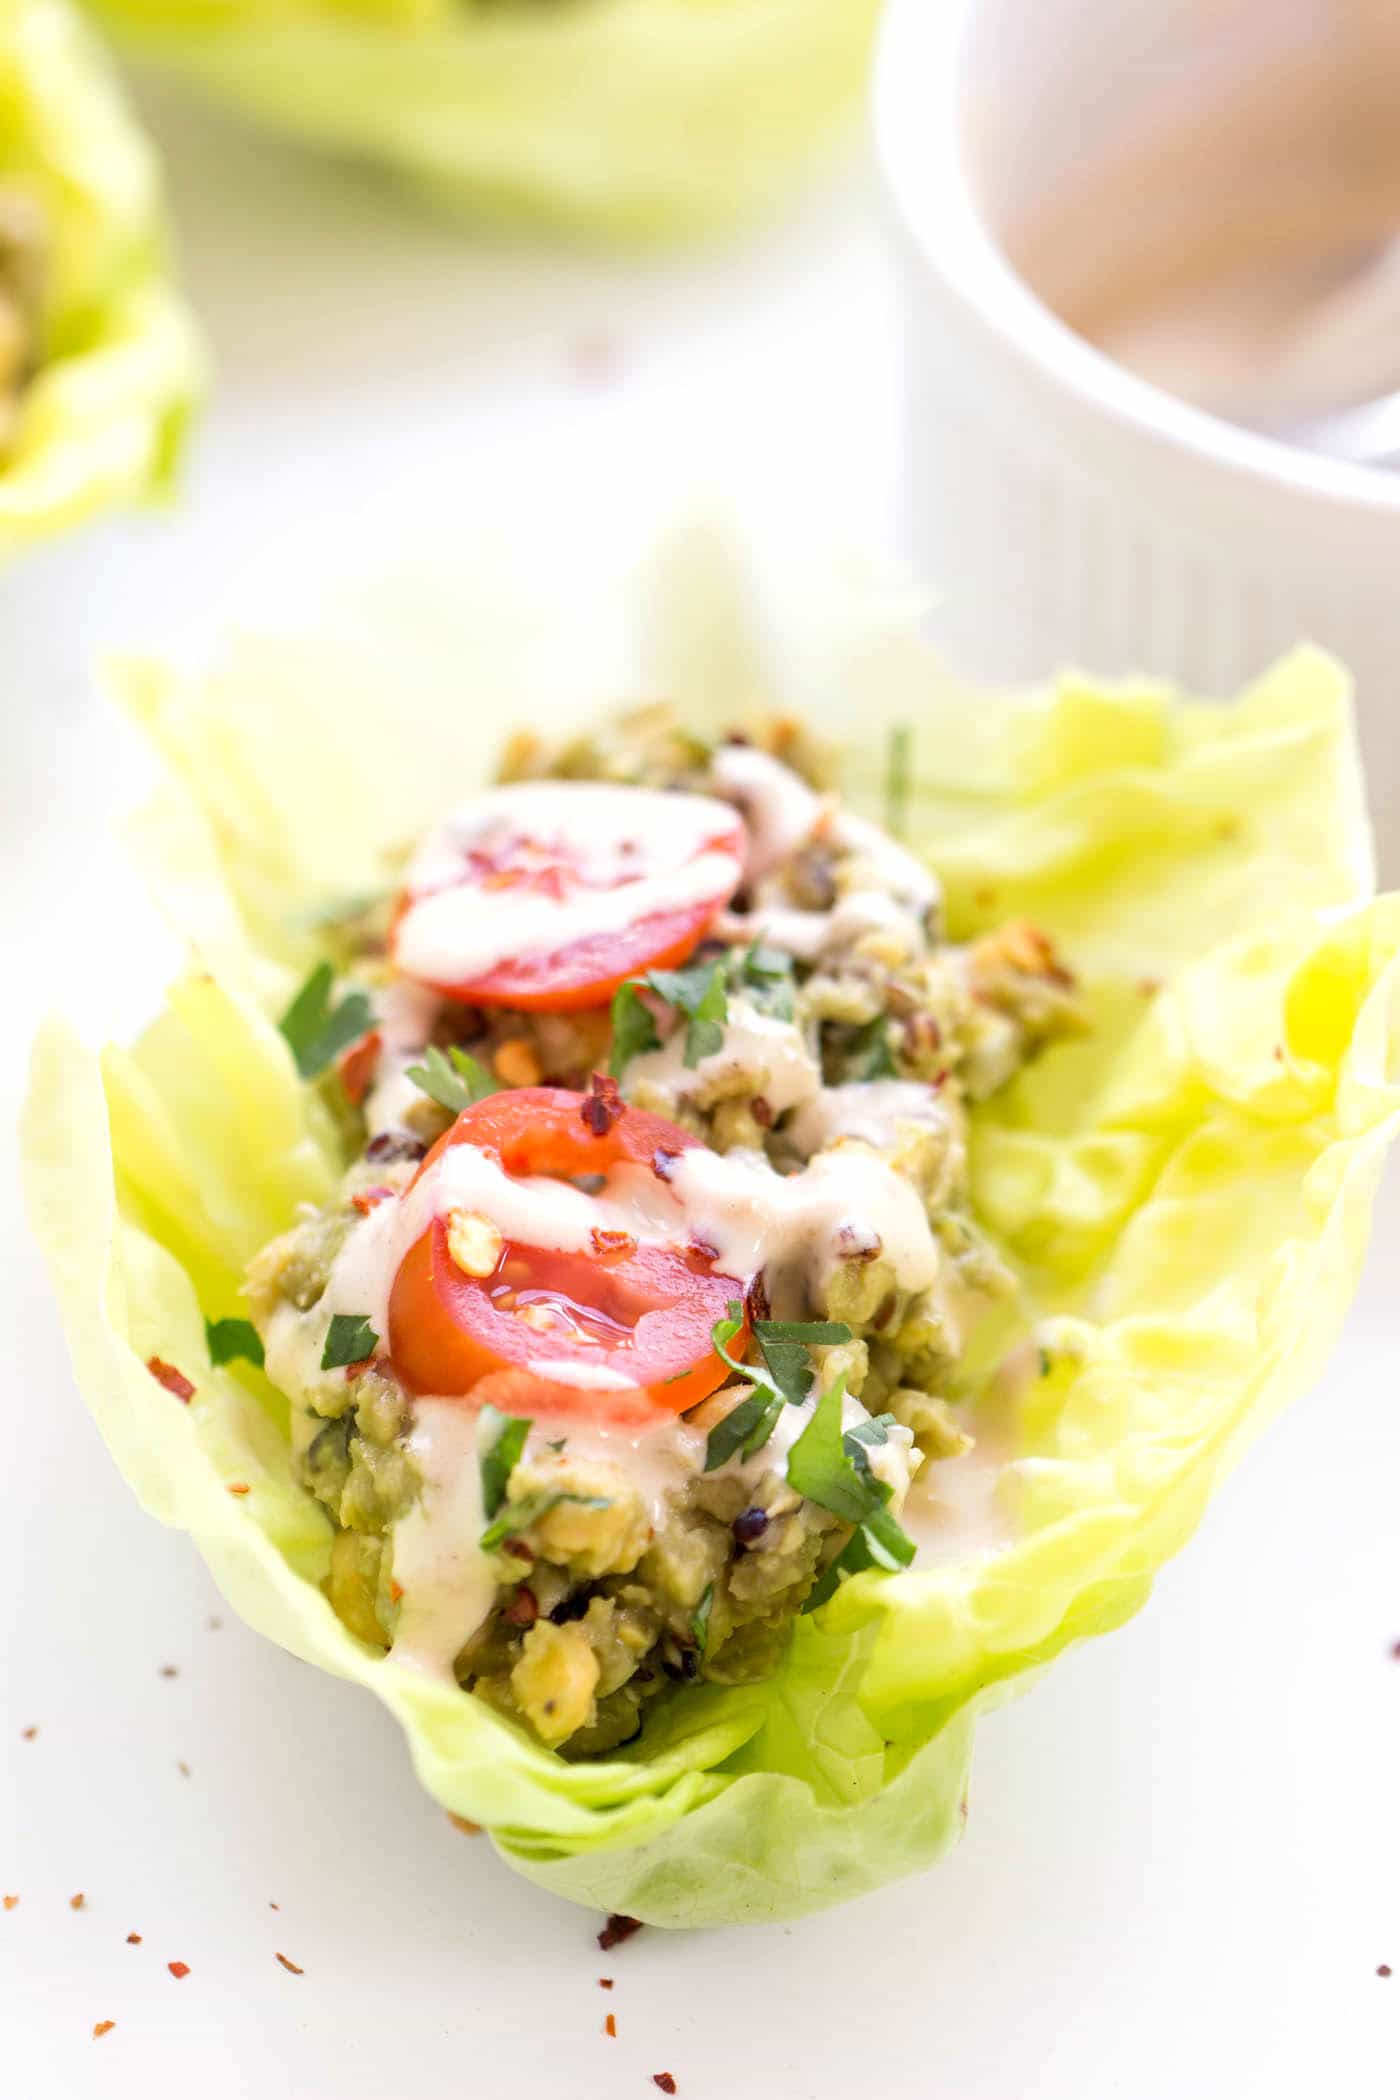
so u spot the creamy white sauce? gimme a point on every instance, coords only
(754, 1042)
(403, 1014)
(790, 1225)
(869, 1109)
(628, 852)
(448, 1583)
(778, 808)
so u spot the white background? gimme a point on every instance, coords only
(1183, 1862)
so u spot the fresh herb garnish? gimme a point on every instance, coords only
(503, 1438)
(785, 1347)
(700, 1618)
(349, 1340)
(880, 1542)
(633, 1028)
(833, 1470)
(315, 1031)
(746, 1428)
(699, 993)
(455, 1081)
(231, 1339)
(897, 771)
(766, 975)
(519, 1516)
(871, 1047)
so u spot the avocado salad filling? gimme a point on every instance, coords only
(644, 1295)
(22, 272)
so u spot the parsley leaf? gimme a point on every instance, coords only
(747, 1427)
(349, 1340)
(698, 993)
(700, 1618)
(633, 1027)
(230, 1339)
(821, 1468)
(455, 1082)
(507, 1434)
(315, 1031)
(519, 1516)
(767, 976)
(872, 1046)
(784, 1346)
(897, 768)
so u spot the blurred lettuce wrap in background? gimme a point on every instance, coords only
(98, 363)
(1184, 1190)
(625, 117)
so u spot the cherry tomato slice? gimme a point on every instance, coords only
(546, 895)
(620, 1330)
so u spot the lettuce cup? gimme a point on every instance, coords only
(98, 363)
(626, 118)
(694, 1270)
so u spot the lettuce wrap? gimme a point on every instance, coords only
(633, 118)
(104, 383)
(1184, 1190)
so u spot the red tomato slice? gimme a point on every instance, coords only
(633, 1311)
(548, 894)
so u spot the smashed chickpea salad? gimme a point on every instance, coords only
(639, 1307)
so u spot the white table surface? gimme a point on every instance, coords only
(1183, 1862)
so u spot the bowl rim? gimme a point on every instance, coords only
(918, 136)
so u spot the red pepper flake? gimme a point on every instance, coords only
(396, 1592)
(523, 1609)
(274, 1906)
(603, 1106)
(101, 2027)
(174, 1381)
(29, 1733)
(610, 2026)
(365, 1201)
(618, 1928)
(9, 1901)
(239, 1487)
(178, 1969)
(357, 1066)
(664, 2079)
(1383, 1968)
(468, 1829)
(702, 1250)
(168, 1670)
(761, 1109)
(605, 1983)
(78, 1902)
(133, 1939)
(290, 1966)
(605, 1243)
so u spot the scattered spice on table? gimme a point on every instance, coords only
(610, 2026)
(467, 1828)
(133, 1939)
(273, 1906)
(1395, 1651)
(1382, 1968)
(30, 1733)
(618, 1928)
(78, 1902)
(290, 1966)
(101, 2027)
(178, 1969)
(169, 1670)
(664, 2079)
(9, 1901)
(605, 1983)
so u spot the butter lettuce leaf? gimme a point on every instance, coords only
(117, 367)
(631, 118)
(1185, 1191)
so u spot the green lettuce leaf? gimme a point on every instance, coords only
(634, 118)
(1185, 1190)
(101, 419)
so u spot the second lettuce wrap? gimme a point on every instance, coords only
(101, 367)
(1184, 1191)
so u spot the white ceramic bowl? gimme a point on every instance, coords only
(1061, 509)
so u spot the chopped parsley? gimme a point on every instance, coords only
(699, 993)
(455, 1081)
(350, 1339)
(518, 1516)
(633, 1028)
(766, 976)
(746, 1428)
(315, 1031)
(700, 1618)
(230, 1339)
(784, 1346)
(871, 1047)
(504, 1438)
(833, 1470)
